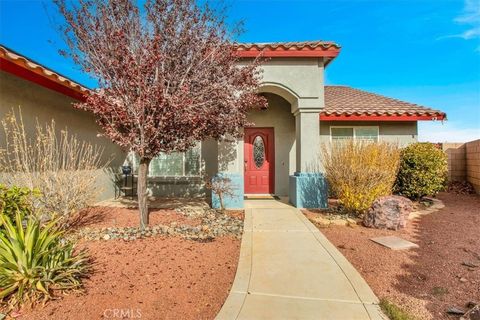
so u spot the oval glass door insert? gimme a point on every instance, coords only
(258, 151)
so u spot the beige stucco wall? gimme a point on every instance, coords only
(279, 117)
(42, 104)
(402, 132)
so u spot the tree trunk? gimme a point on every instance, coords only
(142, 192)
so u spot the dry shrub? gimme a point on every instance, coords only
(58, 164)
(359, 171)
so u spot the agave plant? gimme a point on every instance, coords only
(35, 260)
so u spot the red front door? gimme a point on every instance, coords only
(259, 156)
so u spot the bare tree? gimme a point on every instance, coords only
(168, 76)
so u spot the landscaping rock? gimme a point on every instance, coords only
(388, 212)
(214, 223)
(455, 311)
(470, 264)
(472, 314)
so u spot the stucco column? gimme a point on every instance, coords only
(307, 187)
(307, 135)
(230, 166)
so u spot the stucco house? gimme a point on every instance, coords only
(279, 155)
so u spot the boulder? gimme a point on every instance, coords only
(388, 212)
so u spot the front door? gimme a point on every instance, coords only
(259, 164)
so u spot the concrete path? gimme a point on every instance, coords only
(289, 270)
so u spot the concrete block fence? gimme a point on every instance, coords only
(464, 162)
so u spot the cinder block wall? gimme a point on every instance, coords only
(457, 166)
(473, 163)
(464, 162)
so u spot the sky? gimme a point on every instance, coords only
(421, 51)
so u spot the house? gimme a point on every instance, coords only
(279, 155)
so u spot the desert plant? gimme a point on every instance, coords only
(16, 199)
(35, 260)
(57, 164)
(358, 172)
(222, 187)
(423, 171)
(393, 312)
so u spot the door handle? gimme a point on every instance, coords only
(245, 165)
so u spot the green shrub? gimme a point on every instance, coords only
(393, 312)
(35, 260)
(16, 199)
(358, 172)
(423, 171)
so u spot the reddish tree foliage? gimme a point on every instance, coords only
(168, 76)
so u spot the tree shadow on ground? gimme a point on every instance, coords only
(434, 273)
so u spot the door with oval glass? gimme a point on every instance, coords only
(259, 157)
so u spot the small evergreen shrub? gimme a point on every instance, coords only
(16, 199)
(35, 258)
(423, 171)
(358, 172)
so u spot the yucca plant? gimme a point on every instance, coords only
(36, 260)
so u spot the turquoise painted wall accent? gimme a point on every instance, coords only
(236, 202)
(308, 190)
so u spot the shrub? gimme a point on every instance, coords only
(16, 199)
(35, 260)
(62, 167)
(423, 171)
(358, 172)
(393, 312)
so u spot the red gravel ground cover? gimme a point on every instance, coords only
(152, 278)
(103, 217)
(428, 280)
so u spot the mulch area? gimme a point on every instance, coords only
(428, 280)
(151, 278)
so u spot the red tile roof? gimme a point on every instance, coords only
(25, 68)
(341, 102)
(307, 49)
(346, 103)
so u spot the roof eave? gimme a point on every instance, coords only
(383, 117)
(31, 71)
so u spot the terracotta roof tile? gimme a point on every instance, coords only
(306, 49)
(342, 100)
(312, 45)
(28, 64)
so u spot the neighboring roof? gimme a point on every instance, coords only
(346, 103)
(306, 49)
(25, 68)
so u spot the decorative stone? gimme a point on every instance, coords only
(388, 212)
(472, 314)
(394, 243)
(455, 311)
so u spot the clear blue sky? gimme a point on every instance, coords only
(426, 52)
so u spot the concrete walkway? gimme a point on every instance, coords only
(289, 270)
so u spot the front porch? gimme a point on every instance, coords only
(280, 153)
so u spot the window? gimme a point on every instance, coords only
(357, 133)
(176, 164)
